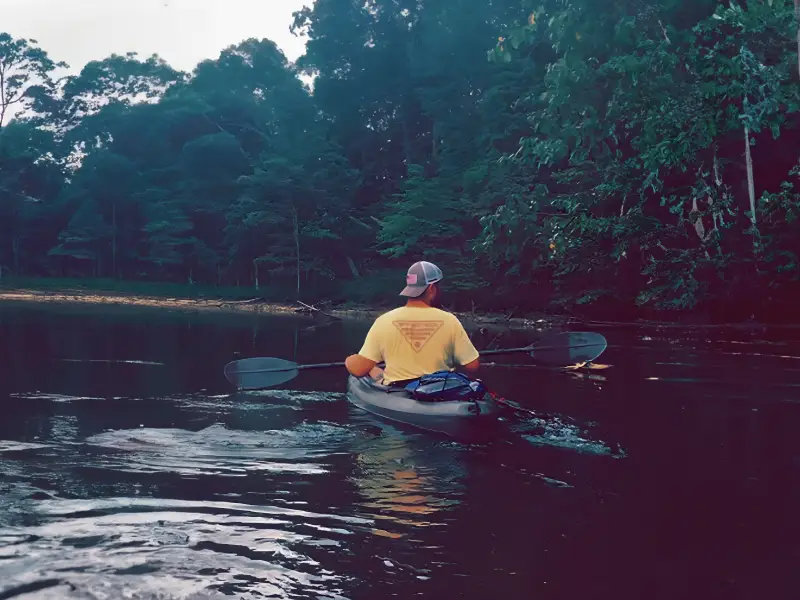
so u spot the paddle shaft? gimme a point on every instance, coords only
(285, 366)
(530, 349)
(294, 368)
(341, 364)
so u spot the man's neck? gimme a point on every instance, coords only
(417, 303)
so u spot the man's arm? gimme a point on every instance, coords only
(464, 352)
(360, 365)
(472, 367)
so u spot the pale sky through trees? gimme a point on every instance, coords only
(183, 32)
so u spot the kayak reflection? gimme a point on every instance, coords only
(407, 482)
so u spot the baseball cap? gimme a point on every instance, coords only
(419, 277)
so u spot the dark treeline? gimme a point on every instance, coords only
(627, 158)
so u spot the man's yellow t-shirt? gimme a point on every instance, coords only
(414, 341)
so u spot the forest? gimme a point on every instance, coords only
(625, 158)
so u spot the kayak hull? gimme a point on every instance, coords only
(456, 419)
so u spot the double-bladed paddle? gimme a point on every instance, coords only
(559, 350)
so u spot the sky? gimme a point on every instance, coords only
(183, 32)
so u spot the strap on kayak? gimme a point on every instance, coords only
(402, 383)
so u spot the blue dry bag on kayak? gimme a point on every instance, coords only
(446, 386)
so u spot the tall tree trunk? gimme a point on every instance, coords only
(297, 247)
(15, 252)
(715, 218)
(114, 240)
(435, 145)
(353, 268)
(3, 96)
(255, 274)
(797, 24)
(407, 142)
(751, 186)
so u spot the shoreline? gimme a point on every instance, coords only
(254, 306)
(259, 306)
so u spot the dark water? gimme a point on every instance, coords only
(673, 474)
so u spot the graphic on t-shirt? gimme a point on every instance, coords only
(417, 333)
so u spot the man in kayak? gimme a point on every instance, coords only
(415, 339)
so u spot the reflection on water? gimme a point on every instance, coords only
(130, 469)
(399, 485)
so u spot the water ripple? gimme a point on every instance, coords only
(218, 450)
(141, 543)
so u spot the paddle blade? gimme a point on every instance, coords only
(569, 348)
(259, 373)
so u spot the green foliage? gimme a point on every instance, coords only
(626, 111)
(545, 154)
(25, 71)
(85, 236)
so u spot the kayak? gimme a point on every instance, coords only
(454, 418)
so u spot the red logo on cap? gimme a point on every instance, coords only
(411, 279)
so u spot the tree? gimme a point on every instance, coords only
(85, 238)
(615, 164)
(627, 161)
(25, 76)
(29, 183)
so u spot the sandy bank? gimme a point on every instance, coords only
(255, 306)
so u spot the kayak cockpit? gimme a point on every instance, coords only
(458, 419)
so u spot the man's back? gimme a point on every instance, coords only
(416, 340)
